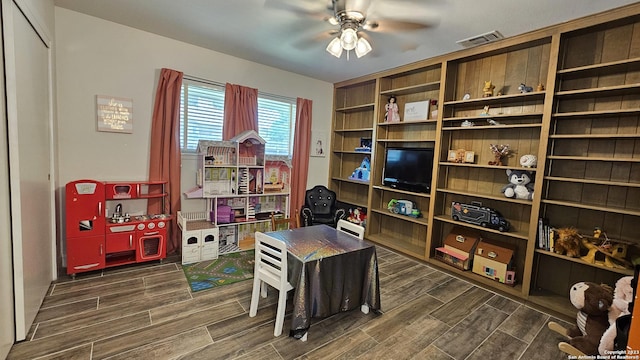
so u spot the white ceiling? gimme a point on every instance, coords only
(296, 42)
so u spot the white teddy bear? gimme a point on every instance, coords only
(622, 296)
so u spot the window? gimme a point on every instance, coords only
(202, 111)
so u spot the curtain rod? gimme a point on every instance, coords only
(215, 83)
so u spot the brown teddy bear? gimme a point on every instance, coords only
(567, 242)
(593, 302)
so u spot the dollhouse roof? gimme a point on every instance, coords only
(500, 252)
(462, 239)
(279, 158)
(248, 135)
(204, 145)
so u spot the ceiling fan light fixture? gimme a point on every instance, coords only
(348, 39)
(335, 47)
(362, 47)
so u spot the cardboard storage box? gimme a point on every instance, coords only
(494, 259)
(459, 247)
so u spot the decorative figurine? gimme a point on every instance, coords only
(485, 111)
(499, 151)
(540, 87)
(528, 161)
(391, 114)
(488, 89)
(493, 122)
(524, 88)
(466, 96)
(467, 123)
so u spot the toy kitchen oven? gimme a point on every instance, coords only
(101, 233)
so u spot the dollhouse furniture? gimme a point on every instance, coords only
(351, 228)
(200, 239)
(283, 223)
(270, 269)
(332, 257)
(320, 207)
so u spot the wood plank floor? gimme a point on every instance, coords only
(147, 311)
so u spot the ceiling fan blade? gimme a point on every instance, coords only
(412, 11)
(390, 25)
(316, 9)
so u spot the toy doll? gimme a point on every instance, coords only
(391, 109)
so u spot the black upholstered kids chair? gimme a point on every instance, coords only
(320, 207)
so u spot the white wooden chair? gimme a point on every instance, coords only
(270, 268)
(351, 228)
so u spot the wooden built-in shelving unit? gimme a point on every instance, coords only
(583, 125)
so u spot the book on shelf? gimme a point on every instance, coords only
(546, 235)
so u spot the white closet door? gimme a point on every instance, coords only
(29, 122)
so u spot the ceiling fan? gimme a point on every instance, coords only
(355, 17)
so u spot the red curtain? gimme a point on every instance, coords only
(240, 110)
(164, 161)
(300, 162)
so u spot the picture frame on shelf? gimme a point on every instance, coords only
(469, 157)
(453, 154)
(416, 111)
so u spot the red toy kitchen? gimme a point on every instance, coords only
(107, 224)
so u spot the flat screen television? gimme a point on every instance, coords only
(408, 169)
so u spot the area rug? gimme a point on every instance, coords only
(226, 269)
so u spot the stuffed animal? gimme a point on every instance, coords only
(567, 242)
(520, 186)
(524, 88)
(622, 297)
(593, 302)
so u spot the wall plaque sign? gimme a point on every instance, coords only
(114, 114)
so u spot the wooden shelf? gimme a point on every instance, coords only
(558, 303)
(513, 234)
(350, 181)
(601, 91)
(404, 140)
(582, 262)
(496, 116)
(597, 113)
(482, 166)
(595, 136)
(398, 191)
(353, 130)
(485, 127)
(386, 212)
(400, 123)
(351, 152)
(592, 158)
(363, 107)
(602, 69)
(592, 181)
(478, 279)
(538, 95)
(435, 85)
(592, 207)
(584, 129)
(486, 196)
(390, 242)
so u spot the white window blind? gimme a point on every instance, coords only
(276, 120)
(202, 111)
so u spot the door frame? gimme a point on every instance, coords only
(23, 6)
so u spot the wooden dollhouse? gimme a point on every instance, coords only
(241, 188)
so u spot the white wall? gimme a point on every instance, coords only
(97, 57)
